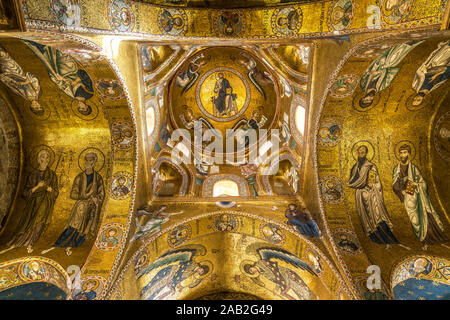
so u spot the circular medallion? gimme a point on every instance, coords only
(225, 222)
(172, 22)
(120, 15)
(272, 233)
(344, 86)
(223, 94)
(122, 134)
(347, 241)
(110, 236)
(363, 102)
(340, 15)
(331, 189)
(395, 11)
(330, 133)
(179, 235)
(121, 185)
(67, 12)
(229, 23)
(110, 89)
(442, 136)
(287, 21)
(86, 110)
(33, 271)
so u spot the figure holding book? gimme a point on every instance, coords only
(412, 190)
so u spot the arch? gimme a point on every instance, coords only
(229, 228)
(266, 181)
(33, 270)
(225, 187)
(178, 168)
(298, 103)
(208, 184)
(421, 277)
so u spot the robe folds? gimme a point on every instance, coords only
(383, 70)
(425, 222)
(370, 205)
(437, 65)
(63, 71)
(39, 207)
(84, 217)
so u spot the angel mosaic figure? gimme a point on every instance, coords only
(383, 70)
(187, 79)
(432, 73)
(179, 271)
(240, 128)
(256, 76)
(24, 84)
(288, 283)
(63, 70)
(158, 217)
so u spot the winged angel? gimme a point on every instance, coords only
(256, 76)
(269, 269)
(177, 269)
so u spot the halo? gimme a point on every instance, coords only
(97, 283)
(370, 149)
(144, 262)
(243, 264)
(100, 158)
(279, 16)
(207, 263)
(44, 116)
(91, 116)
(410, 106)
(360, 94)
(407, 142)
(34, 152)
(116, 229)
(182, 20)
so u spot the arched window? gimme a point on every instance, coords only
(225, 188)
(150, 120)
(300, 113)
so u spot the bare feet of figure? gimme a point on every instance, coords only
(425, 247)
(29, 249)
(388, 246)
(68, 251)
